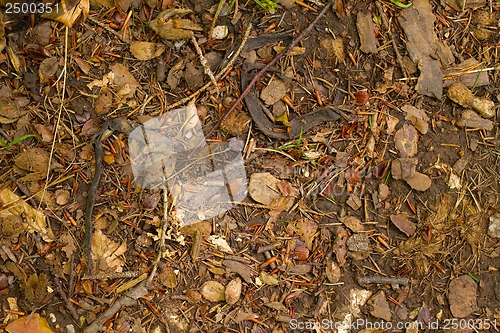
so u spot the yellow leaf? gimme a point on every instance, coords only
(69, 11)
(36, 324)
(35, 219)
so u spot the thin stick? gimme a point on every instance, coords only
(266, 68)
(218, 76)
(205, 64)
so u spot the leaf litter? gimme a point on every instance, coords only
(381, 171)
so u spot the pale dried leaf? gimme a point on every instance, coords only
(297, 50)
(220, 32)
(44, 132)
(274, 92)
(10, 111)
(263, 188)
(220, 243)
(35, 220)
(352, 223)
(33, 160)
(213, 291)
(69, 11)
(107, 253)
(146, 50)
(233, 291)
(84, 66)
(404, 224)
(69, 244)
(123, 79)
(307, 230)
(192, 119)
(268, 279)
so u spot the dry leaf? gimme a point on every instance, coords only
(220, 32)
(297, 50)
(334, 49)
(36, 324)
(47, 68)
(287, 189)
(268, 279)
(332, 271)
(278, 205)
(242, 270)
(44, 132)
(418, 118)
(69, 244)
(84, 66)
(406, 139)
(36, 288)
(176, 73)
(13, 205)
(192, 119)
(146, 50)
(403, 224)
(124, 81)
(263, 188)
(106, 253)
(233, 291)
(352, 223)
(391, 124)
(213, 291)
(104, 102)
(69, 11)
(274, 92)
(168, 24)
(33, 160)
(245, 316)
(10, 111)
(168, 278)
(220, 243)
(307, 230)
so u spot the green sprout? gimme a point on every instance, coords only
(473, 277)
(16, 141)
(400, 4)
(267, 5)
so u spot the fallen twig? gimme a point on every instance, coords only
(383, 280)
(266, 68)
(218, 76)
(129, 299)
(64, 297)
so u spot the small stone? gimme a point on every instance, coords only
(406, 139)
(403, 168)
(233, 291)
(462, 296)
(494, 228)
(354, 202)
(383, 191)
(472, 120)
(263, 187)
(419, 182)
(358, 243)
(380, 306)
